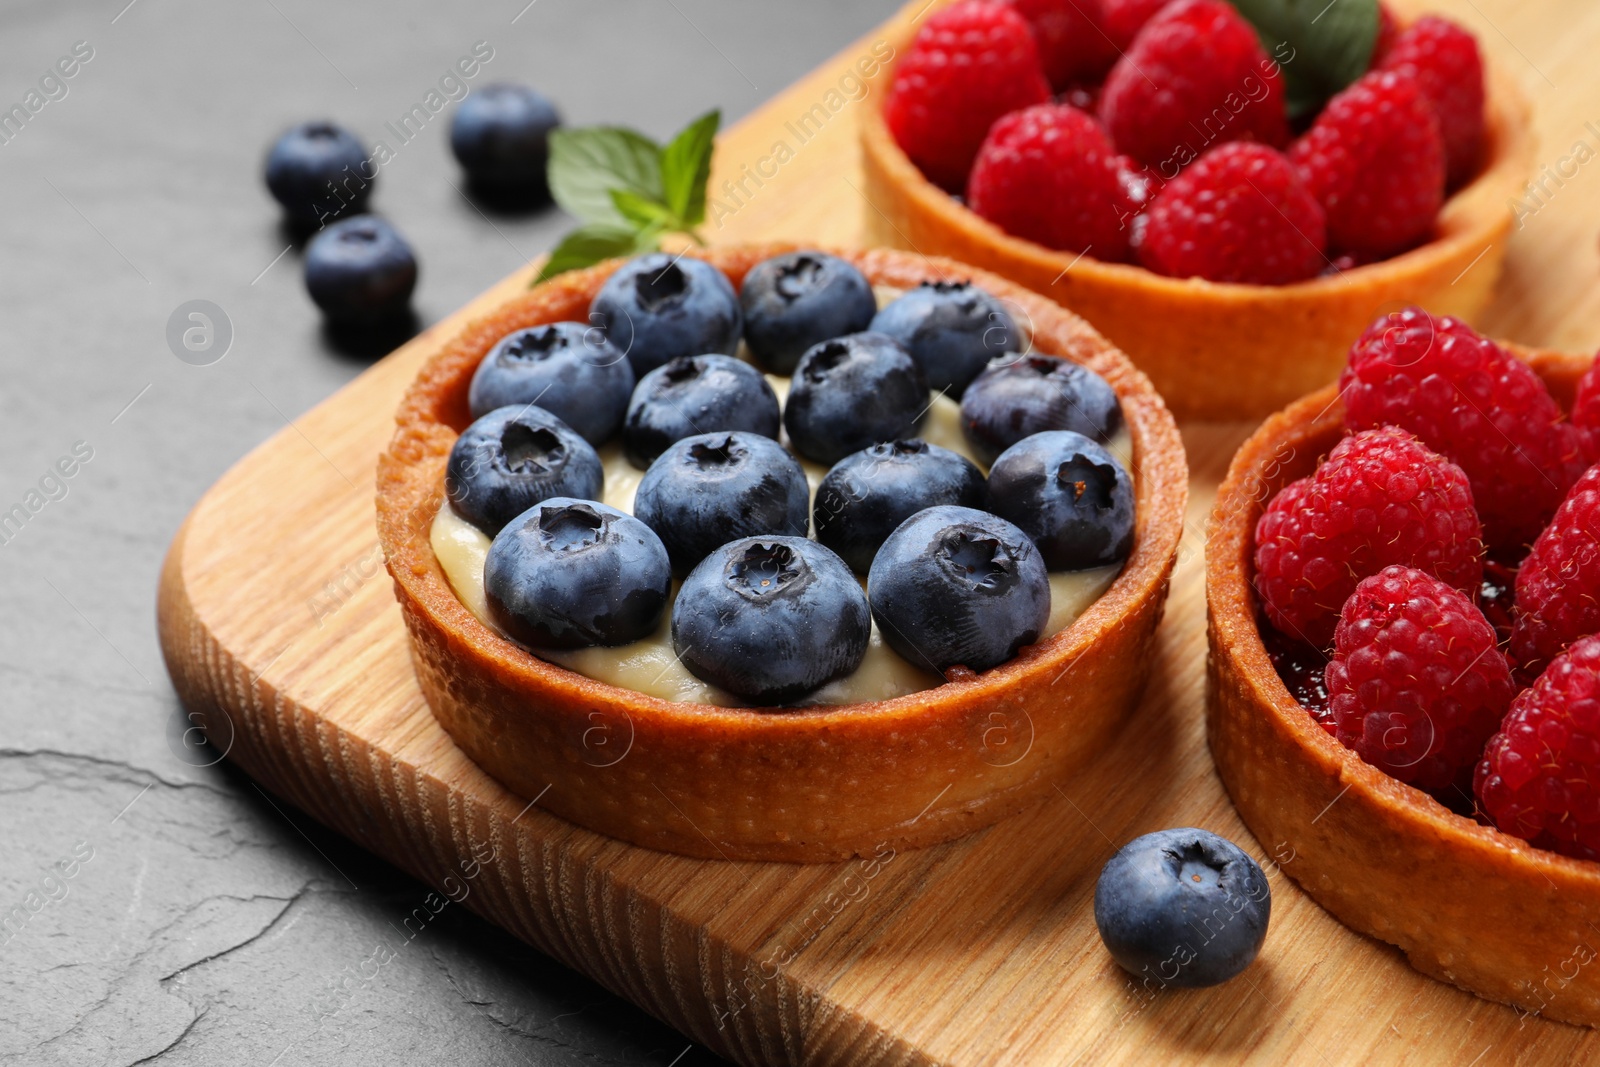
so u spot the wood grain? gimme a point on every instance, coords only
(280, 628)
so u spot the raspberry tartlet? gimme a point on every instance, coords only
(1420, 676)
(1269, 328)
(800, 782)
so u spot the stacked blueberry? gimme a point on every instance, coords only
(956, 564)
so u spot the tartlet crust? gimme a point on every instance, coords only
(1215, 350)
(805, 785)
(1467, 904)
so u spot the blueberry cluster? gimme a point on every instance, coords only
(956, 564)
(358, 269)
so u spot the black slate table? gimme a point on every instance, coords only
(154, 904)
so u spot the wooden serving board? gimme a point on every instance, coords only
(280, 627)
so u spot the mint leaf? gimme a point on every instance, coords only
(685, 168)
(627, 189)
(1322, 46)
(641, 211)
(587, 163)
(588, 245)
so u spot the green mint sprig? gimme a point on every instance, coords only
(627, 190)
(1320, 46)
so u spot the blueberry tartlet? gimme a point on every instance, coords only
(762, 595)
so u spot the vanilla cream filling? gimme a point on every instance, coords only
(651, 666)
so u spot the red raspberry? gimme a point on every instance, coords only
(1380, 498)
(1586, 412)
(1196, 75)
(1416, 684)
(1239, 214)
(1121, 20)
(1473, 401)
(1558, 585)
(1388, 30)
(1375, 160)
(1049, 174)
(1540, 775)
(1444, 60)
(971, 63)
(1071, 46)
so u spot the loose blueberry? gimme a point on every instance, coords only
(709, 489)
(952, 328)
(315, 171)
(360, 270)
(771, 619)
(694, 395)
(800, 299)
(852, 392)
(868, 494)
(564, 367)
(1185, 907)
(659, 307)
(574, 573)
(954, 585)
(1070, 495)
(501, 136)
(1015, 398)
(511, 459)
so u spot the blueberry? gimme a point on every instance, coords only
(1014, 398)
(952, 328)
(955, 585)
(1185, 907)
(315, 171)
(800, 299)
(852, 392)
(564, 367)
(708, 489)
(695, 395)
(501, 136)
(574, 573)
(1070, 495)
(659, 307)
(360, 271)
(867, 494)
(511, 459)
(771, 619)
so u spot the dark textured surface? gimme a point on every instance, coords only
(211, 924)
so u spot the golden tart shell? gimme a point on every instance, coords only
(1214, 350)
(805, 785)
(1467, 904)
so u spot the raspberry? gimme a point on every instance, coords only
(1473, 401)
(1444, 60)
(1196, 74)
(1416, 684)
(1375, 160)
(1540, 775)
(1121, 20)
(971, 63)
(1558, 585)
(1049, 174)
(1071, 46)
(1388, 30)
(1586, 412)
(1380, 498)
(1239, 214)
